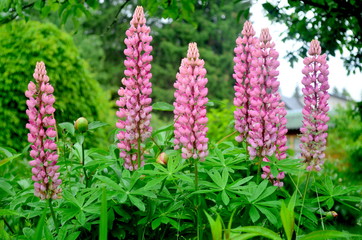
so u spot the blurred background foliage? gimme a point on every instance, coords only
(77, 93)
(345, 142)
(81, 42)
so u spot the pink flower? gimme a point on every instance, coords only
(190, 106)
(41, 134)
(135, 102)
(260, 118)
(244, 63)
(315, 111)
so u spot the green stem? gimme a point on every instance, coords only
(163, 184)
(139, 152)
(258, 177)
(8, 225)
(319, 205)
(154, 141)
(304, 195)
(53, 214)
(84, 170)
(229, 135)
(196, 176)
(198, 212)
(295, 184)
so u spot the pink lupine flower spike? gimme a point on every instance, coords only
(242, 74)
(190, 107)
(315, 111)
(135, 102)
(42, 133)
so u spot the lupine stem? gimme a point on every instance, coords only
(319, 205)
(84, 170)
(8, 225)
(304, 195)
(229, 135)
(258, 177)
(53, 214)
(198, 215)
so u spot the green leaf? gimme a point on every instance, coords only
(104, 217)
(8, 212)
(267, 193)
(69, 213)
(96, 124)
(269, 215)
(225, 198)
(156, 223)
(154, 182)
(137, 202)
(6, 160)
(109, 182)
(162, 106)
(287, 217)
(73, 236)
(67, 126)
(69, 197)
(39, 228)
(260, 231)
(216, 226)
(244, 236)
(328, 234)
(210, 104)
(81, 218)
(254, 214)
(258, 191)
(330, 203)
(163, 129)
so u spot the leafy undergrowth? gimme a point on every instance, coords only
(170, 200)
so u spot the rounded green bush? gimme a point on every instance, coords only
(77, 94)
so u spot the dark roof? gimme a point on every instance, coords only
(292, 103)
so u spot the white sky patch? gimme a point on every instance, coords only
(291, 77)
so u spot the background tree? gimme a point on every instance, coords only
(77, 93)
(336, 24)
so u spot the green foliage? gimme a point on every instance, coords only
(221, 121)
(215, 33)
(345, 142)
(77, 94)
(337, 25)
(101, 199)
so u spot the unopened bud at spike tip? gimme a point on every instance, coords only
(315, 48)
(265, 35)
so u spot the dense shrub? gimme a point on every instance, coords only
(221, 121)
(78, 94)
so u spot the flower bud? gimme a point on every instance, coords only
(331, 215)
(162, 158)
(81, 124)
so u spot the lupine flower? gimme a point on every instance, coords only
(315, 118)
(242, 74)
(267, 131)
(190, 106)
(42, 133)
(135, 102)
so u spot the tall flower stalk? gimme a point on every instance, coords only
(41, 135)
(135, 102)
(245, 46)
(260, 116)
(190, 115)
(315, 111)
(190, 106)
(267, 134)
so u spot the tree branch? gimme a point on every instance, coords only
(116, 17)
